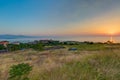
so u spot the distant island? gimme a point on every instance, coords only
(16, 36)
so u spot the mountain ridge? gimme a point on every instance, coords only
(8, 36)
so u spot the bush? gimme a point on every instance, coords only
(38, 47)
(2, 47)
(20, 72)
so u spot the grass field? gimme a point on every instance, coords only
(89, 62)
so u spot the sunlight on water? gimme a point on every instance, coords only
(94, 39)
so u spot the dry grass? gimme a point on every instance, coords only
(40, 61)
(51, 65)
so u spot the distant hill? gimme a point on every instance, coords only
(16, 36)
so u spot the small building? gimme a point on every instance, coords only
(32, 42)
(72, 49)
(4, 43)
(45, 41)
(16, 43)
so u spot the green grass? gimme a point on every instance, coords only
(94, 47)
(93, 67)
(88, 46)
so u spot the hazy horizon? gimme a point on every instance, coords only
(116, 39)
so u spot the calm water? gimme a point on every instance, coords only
(95, 39)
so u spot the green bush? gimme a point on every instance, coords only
(2, 47)
(20, 72)
(38, 47)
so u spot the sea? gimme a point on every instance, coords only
(78, 38)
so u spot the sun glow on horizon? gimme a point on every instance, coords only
(112, 32)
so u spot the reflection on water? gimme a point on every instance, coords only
(83, 38)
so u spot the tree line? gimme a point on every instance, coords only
(22, 46)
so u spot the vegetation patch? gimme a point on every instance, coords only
(95, 67)
(20, 72)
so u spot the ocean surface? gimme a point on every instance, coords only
(81, 39)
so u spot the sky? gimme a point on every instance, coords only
(60, 17)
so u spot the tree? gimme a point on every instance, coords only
(38, 46)
(2, 47)
(20, 71)
(13, 47)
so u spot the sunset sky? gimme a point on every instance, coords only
(60, 17)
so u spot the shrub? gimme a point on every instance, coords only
(20, 72)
